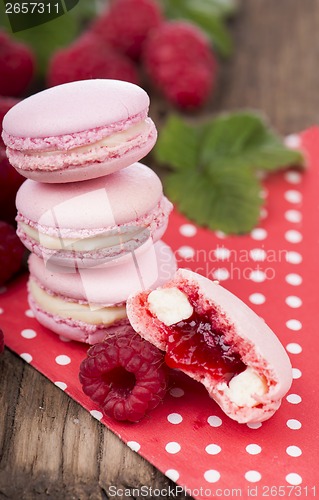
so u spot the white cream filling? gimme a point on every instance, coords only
(91, 313)
(169, 305)
(103, 240)
(243, 389)
(111, 141)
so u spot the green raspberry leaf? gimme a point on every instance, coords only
(178, 144)
(213, 166)
(244, 139)
(227, 200)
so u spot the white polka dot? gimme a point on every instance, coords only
(257, 276)
(213, 449)
(26, 356)
(28, 334)
(253, 476)
(61, 385)
(294, 279)
(253, 449)
(293, 479)
(186, 252)
(254, 425)
(263, 213)
(293, 301)
(220, 234)
(293, 424)
(293, 451)
(173, 447)
(134, 445)
(3, 289)
(258, 233)
(176, 392)
(263, 193)
(172, 474)
(222, 253)
(294, 399)
(221, 274)
(175, 418)
(258, 254)
(29, 313)
(293, 216)
(293, 141)
(64, 339)
(212, 476)
(96, 414)
(257, 298)
(296, 373)
(294, 324)
(1, 310)
(188, 230)
(293, 236)
(214, 421)
(293, 177)
(293, 196)
(62, 359)
(293, 257)
(294, 348)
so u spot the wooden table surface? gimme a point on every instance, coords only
(50, 447)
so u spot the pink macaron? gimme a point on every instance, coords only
(79, 131)
(212, 336)
(87, 223)
(81, 304)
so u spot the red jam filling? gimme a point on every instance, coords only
(198, 344)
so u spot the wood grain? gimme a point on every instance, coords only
(50, 447)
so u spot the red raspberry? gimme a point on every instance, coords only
(127, 24)
(1, 341)
(17, 65)
(90, 57)
(125, 375)
(6, 103)
(11, 252)
(180, 61)
(9, 177)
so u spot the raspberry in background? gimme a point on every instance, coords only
(17, 66)
(126, 24)
(180, 63)
(6, 103)
(125, 375)
(1, 341)
(11, 252)
(89, 57)
(10, 180)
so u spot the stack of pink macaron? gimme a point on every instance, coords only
(91, 216)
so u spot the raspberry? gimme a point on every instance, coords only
(125, 375)
(1, 341)
(127, 24)
(90, 57)
(9, 177)
(17, 65)
(6, 103)
(180, 61)
(11, 252)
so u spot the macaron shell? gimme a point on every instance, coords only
(258, 345)
(91, 170)
(74, 107)
(150, 265)
(70, 330)
(104, 287)
(98, 203)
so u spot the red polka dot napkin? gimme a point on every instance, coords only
(274, 270)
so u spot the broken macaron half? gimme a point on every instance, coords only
(212, 336)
